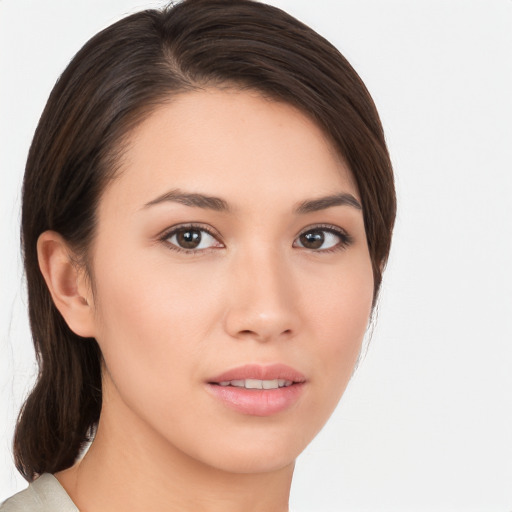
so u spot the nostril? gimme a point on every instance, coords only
(262, 335)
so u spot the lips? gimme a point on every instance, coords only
(260, 372)
(258, 390)
(257, 383)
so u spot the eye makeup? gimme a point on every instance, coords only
(193, 238)
(314, 237)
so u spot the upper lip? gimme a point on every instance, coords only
(261, 372)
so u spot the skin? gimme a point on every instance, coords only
(167, 321)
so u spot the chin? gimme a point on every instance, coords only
(256, 450)
(253, 461)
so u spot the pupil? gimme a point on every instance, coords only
(189, 239)
(312, 239)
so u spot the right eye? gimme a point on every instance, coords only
(191, 239)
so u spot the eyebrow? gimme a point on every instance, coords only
(220, 205)
(191, 199)
(322, 203)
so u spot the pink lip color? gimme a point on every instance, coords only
(258, 402)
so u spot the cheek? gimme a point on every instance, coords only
(150, 320)
(149, 296)
(153, 331)
(339, 315)
(340, 301)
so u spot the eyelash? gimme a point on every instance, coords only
(191, 227)
(345, 239)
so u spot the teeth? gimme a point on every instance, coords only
(257, 383)
(270, 384)
(253, 384)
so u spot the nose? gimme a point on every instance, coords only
(263, 300)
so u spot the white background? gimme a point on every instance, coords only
(426, 424)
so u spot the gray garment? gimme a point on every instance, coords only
(43, 495)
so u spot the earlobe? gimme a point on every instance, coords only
(66, 283)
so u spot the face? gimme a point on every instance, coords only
(233, 283)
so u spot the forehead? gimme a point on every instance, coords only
(229, 143)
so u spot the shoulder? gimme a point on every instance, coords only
(43, 495)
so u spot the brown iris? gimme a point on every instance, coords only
(188, 238)
(312, 239)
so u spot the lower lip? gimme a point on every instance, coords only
(257, 402)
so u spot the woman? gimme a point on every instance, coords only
(207, 210)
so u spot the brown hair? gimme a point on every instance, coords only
(114, 82)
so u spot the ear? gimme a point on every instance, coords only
(67, 283)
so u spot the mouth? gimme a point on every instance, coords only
(255, 383)
(258, 390)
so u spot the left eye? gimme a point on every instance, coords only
(320, 239)
(189, 238)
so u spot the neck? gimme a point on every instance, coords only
(131, 468)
